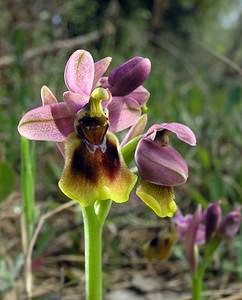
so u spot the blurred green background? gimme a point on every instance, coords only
(196, 54)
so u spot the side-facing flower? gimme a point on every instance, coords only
(94, 167)
(161, 167)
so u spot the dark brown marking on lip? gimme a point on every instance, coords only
(154, 242)
(83, 163)
(90, 165)
(166, 242)
(111, 161)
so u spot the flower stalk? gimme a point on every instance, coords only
(198, 276)
(93, 253)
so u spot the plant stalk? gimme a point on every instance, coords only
(93, 253)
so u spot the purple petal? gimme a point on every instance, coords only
(75, 101)
(183, 223)
(100, 67)
(160, 165)
(231, 223)
(122, 115)
(182, 132)
(190, 238)
(141, 95)
(47, 96)
(200, 237)
(127, 77)
(79, 72)
(213, 218)
(137, 129)
(47, 123)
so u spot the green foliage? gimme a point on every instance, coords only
(7, 180)
(28, 185)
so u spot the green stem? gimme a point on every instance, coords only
(197, 278)
(28, 186)
(196, 287)
(93, 254)
(102, 209)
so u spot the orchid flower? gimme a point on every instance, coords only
(184, 224)
(204, 227)
(161, 167)
(94, 167)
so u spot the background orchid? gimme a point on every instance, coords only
(206, 228)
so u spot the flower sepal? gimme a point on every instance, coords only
(159, 198)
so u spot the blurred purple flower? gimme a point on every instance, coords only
(201, 228)
(213, 218)
(161, 167)
(231, 223)
(183, 223)
(192, 232)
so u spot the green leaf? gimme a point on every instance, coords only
(128, 149)
(28, 184)
(198, 197)
(204, 157)
(7, 180)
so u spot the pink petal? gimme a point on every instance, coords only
(160, 165)
(75, 101)
(183, 223)
(47, 123)
(182, 132)
(100, 67)
(136, 130)
(47, 96)
(79, 72)
(122, 115)
(141, 95)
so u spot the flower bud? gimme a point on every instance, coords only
(231, 223)
(213, 219)
(128, 76)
